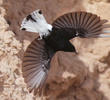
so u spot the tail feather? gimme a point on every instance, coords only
(85, 24)
(35, 22)
(36, 64)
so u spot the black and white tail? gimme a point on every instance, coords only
(36, 64)
(86, 24)
(35, 22)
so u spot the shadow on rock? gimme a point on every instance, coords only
(70, 79)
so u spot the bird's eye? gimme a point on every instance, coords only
(40, 12)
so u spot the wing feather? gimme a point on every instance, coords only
(83, 24)
(36, 64)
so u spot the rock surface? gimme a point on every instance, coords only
(85, 76)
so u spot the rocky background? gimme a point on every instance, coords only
(85, 76)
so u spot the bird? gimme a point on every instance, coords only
(53, 38)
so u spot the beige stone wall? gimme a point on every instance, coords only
(85, 76)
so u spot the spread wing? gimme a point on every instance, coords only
(36, 64)
(82, 24)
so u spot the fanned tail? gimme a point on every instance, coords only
(36, 64)
(35, 22)
(85, 25)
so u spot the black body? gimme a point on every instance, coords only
(58, 39)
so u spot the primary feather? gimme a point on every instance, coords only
(36, 64)
(83, 24)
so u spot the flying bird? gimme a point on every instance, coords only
(53, 38)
